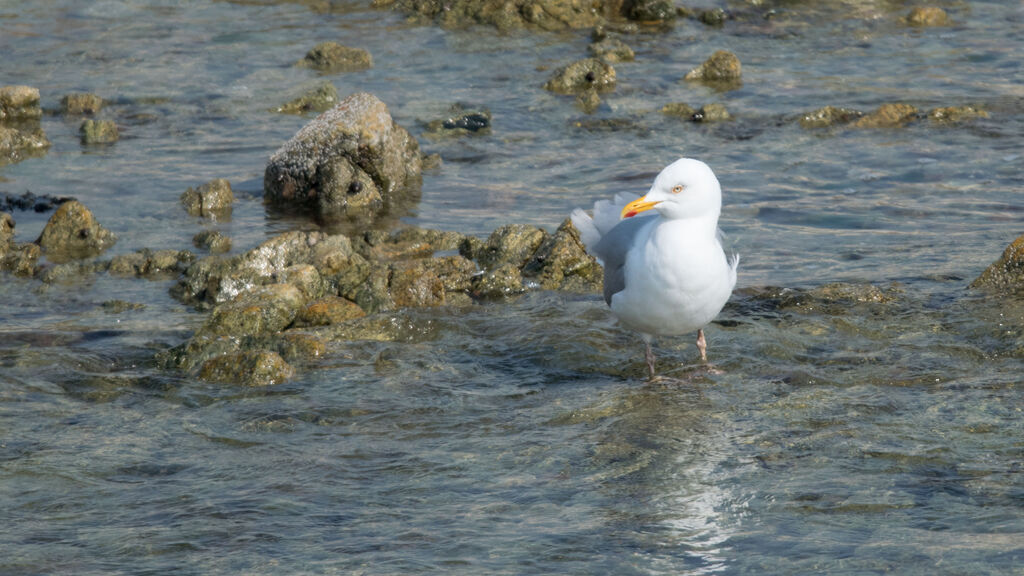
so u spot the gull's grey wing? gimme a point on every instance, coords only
(612, 250)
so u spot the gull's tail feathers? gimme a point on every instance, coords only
(589, 233)
(607, 213)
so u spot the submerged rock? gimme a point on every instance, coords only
(352, 161)
(462, 120)
(148, 262)
(81, 103)
(73, 233)
(333, 57)
(888, 116)
(679, 110)
(722, 67)
(1005, 275)
(712, 113)
(98, 131)
(20, 259)
(927, 16)
(589, 73)
(588, 101)
(318, 99)
(829, 116)
(211, 200)
(18, 144)
(248, 368)
(649, 10)
(611, 50)
(19, 103)
(954, 114)
(213, 241)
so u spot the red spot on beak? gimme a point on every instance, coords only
(630, 214)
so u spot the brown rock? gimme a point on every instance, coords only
(81, 103)
(589, 73)
(954, 114)
(328, 310)
(1005, 275)
(248, 368)
(211, 200)
(829, 116)
(19, 103)
(98, 131)
(73, 233)
(887, 116)
(927, 16)
(333, 57)
(721, 66)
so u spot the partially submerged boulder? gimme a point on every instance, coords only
(19, 103)
(98, 131)
(21, 135)
(927, 16)
(586, 74)
(247, 368)
(461, 120)
(829, 116)
(81, 103)
(352, 161)
(333, 57)
(722, 69)
(889, 115)
(679, 110)
(955, 114)
(1005, 275)
(713, 112)
(211, 200)
(73, 233)
(320, 98)
(611, 50)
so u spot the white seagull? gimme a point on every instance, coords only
(664, 274)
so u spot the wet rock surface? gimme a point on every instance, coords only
(679, 110)
(211, 200)
(73, 233)
(461, 120)
(21, 135)
(611, 50)
(956, 114)
(714, 112)
(81, 103)
(148, 262)
(924, 16)
(213, 241)
(586, 74)
(505, 14)
(829, 116)
(721, 69)
(1005, 275)
(248, 368)
(352, 161)
(98, 131)
(333, 57)
(317, 99)
(19, 103)
(890, 115)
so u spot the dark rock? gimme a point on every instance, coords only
(1005, 275)
(562, 263)
(333, 57)
(72, 233)
(19, 103)
(81, 103)
(649, 10)
(589, 73)
(98, 131)
(511, 244)
(505, 280)
(351, 161)
(318, 99)
(211, 200)
(954, 114)
(461, 120)
(213, 241)
(18, 144)
(328, 310)
(712, 113)
(679, 110)
(887, 116)
(588, 101)
(927, 16)
(713, 17)
(829, 116)
(611, 50)
(29, 201)
(722, 69)
(248, 368)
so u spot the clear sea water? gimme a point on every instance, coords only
(520, 436)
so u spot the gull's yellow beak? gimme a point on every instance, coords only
(637, 206)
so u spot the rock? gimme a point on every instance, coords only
(30, 201)
(333, 57)
(260, 311)
(6, 232)
(71, 272)
(722, 67)
(506, 14)
(588, 101)
(18, 144)
(1005, 275)
(461, 120)
(413, 242)
(98, 131)
(927, 16)
(505, 280)
(562, 263)
(649, 10)
(511, 244)
(211, 200)
(20, 259)
(81, 103)
(121, 306)
(611, 50)
(73, 233)
(147, 262)
(713, 17)
(712, 113)
(248, 368)
(829, 116)
(213, 241)
(304, 277)
(887, 116)
(679, 110)
(352, 161)
(19, 103)
(322, 97)
(328, 310)
(414, 284)
(589, 73)
(299, 346)
(954, 114)
(372, 292)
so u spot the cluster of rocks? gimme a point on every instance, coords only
(889, 115)
(21, 135)
(72, 233)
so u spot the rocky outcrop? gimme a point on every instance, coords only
(352, 161)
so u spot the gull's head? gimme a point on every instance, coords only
(686, 188)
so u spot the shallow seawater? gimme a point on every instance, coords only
(521, 436)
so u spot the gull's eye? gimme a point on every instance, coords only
(677, 188)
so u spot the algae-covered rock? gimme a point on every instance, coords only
(507, 14)
(260, 311)
(212, 241)
(20, 259)
(318, 99)
(211, 200)
(589, 73)
(19, 103)
(333, 57)
(714, 112)
(927, 16)
(415, 284)
(147, 262)
(1005, 275)
(829, 116)
(723, 66)
(511, 244)
(305, 277)
(248, 368)
(588, 100)
(72, 233)
(888, 116)
(352, 161)
(461, 120)
(328, 310)
(505, 280)
(80, 103)
(713, 17)
(649, 10)
(98, 131)
(17, 144)
(611, 50)
(955, 114)
(562, 263)
(679, 110)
